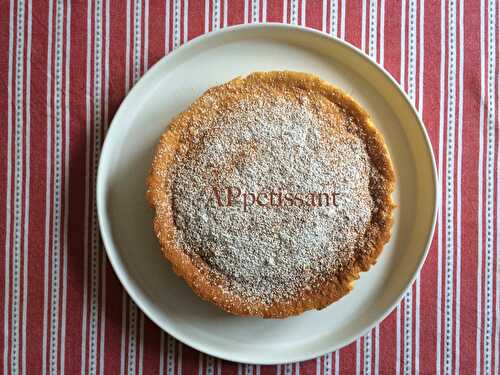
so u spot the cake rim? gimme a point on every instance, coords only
(194, 271)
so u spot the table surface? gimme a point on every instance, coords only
(65, 68)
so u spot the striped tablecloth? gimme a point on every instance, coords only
(66, 65)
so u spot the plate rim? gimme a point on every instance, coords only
(134, 291)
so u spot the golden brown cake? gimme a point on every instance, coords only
(271, 193)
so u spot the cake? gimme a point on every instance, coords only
(271, 193)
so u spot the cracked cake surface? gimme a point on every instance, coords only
(271, 193)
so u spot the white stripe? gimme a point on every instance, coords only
(27, 188)
(8, 196)
(179, 359)
(368, 354)
(171, 355)
(137, 41)
(264, 10)
(382, 37)
(146, 36)
(327, 364)
(210, 365)
(186, 17)
(207, 23)
(132, 334)
(450, 195)
(245, 9)
(358, 356)
(303, 12)
(87, 193)
(95, 279)
(497, 332)
(337, 362)
(215, 14)
(134, 316)
(294, 12)
(372, 44)
(255, 11)
(56, 231)
(200, 363)
(342, 21)
(480, 201)
(421, 61)
(403, 43)
(398, 339)
(167, 26)
(141, 342)
(490, 187)
(459, 193)
(363, 26)
(18, 190)
(177, 23)
(162, 352)
(127, 49)
(440, 172)
(66, 184)
(285, 10)
(323, 17)
(377, 351)
(407, 337)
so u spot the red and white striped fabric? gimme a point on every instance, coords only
(66, 65)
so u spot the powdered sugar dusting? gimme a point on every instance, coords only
(271, 253)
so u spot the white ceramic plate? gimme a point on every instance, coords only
(125, 218)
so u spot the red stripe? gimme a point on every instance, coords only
(314, 14)
(353, 23)
(156, 30)
(308, 367)
(347, 362)
(237, 12)
(274, 11)
(231, 368)
(4, 71)
(151, 347)
(196, 19)
(189, 360)
(116, 92)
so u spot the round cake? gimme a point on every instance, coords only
(271, 193)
